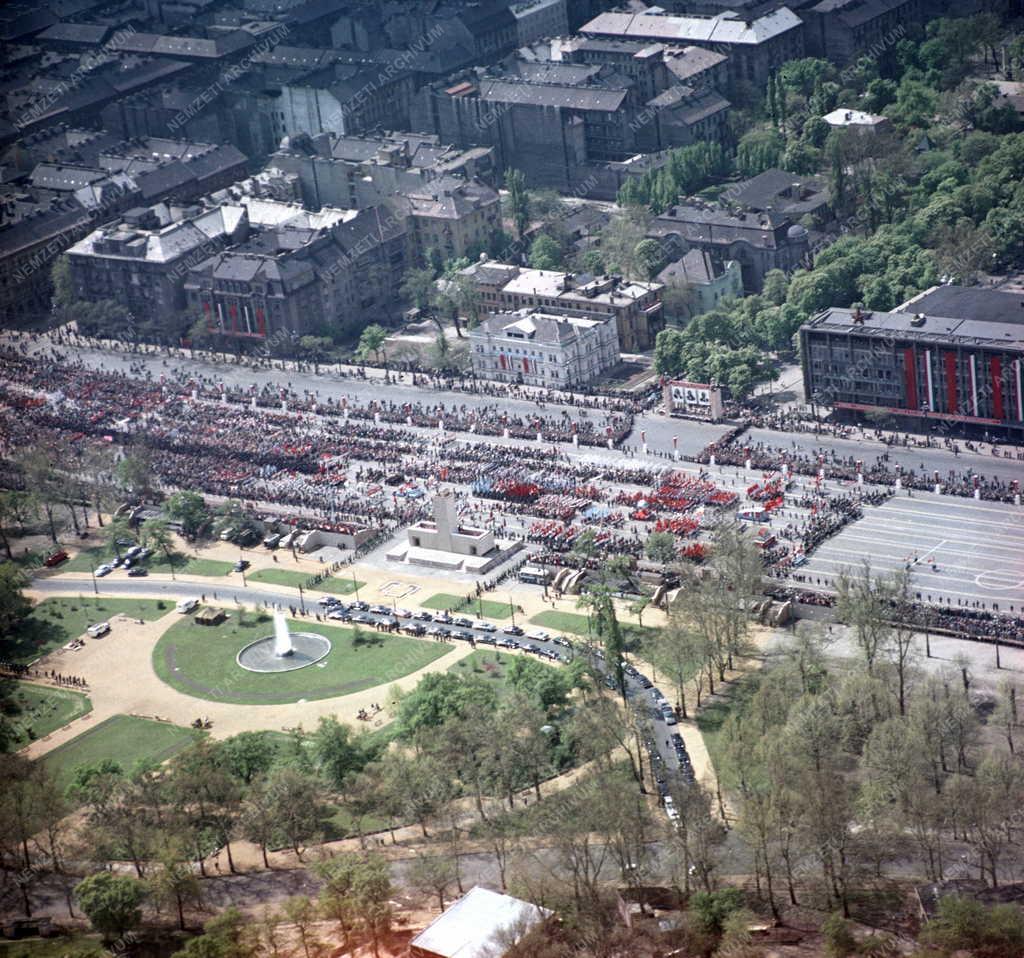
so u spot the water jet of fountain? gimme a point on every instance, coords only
(282, 637)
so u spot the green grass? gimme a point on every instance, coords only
(448, 603)
(577, 624)
(126, 739)
(34, 711)
(79, 945)
(94, 556)
(712, 717)
(330, 585)
(200, 661)
(55, 622)
(489, 664)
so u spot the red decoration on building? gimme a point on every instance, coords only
(910, 376)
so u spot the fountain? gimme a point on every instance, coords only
(284, 651)
(282, 637)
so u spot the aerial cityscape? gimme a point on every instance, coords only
(511, 479)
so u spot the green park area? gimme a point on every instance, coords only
(331, 585)
(125, 738)
(55, 622)
(34, 711)
(486, 608)
(200, 660)
(576, 623)
(94, 556)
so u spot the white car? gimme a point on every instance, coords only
(100, 628)
(670, 809)
(185, 606)
(540, 635)
(485, 626)
(103, 570)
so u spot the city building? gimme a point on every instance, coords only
(951, 354)
(90, 180)
(141, 261)
(451, 216)
(841, 30)
(543, 347)
(356, 171)
(303, 274)
(703, 281)
(563, 117)
(536, 19)
(636, 307)
(780, 191)
(755, 45)
(758, 241)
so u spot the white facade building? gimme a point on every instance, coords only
(539, 348)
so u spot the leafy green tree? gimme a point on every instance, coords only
(649, 257)
(248, 755)
(157, 535)
(229, 934)
(190, 509)
(371, 343)
(545, 253)
(174, 884)
(711, 909)
(357, 894)
(518, 201)
(337, 752)
(758, 151)
(112, 903)
(661, 547)
(14, 606)
(440, 695)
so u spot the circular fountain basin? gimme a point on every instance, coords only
(308, 648)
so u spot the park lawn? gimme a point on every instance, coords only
(55, 622)
(87, 559)
(490, 664)
(331, 585)
(201, 661)
(486, 608)
(577, 624)
(729, 697)
(41, 710)
(127, 739)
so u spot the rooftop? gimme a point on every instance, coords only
(844, 117)
(924, 327)
(471, 928)
(722, 28)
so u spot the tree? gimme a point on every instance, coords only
(661, 547)
(135, 472)
(14, 606)
(439, 696)
(174, 884)
(248, 755)
(357, 894)
(336, 752)
(518, 201)
(371, 343)
(545, 253)
(112, 903)
(432, 874)
(296, 807)
(156, 534)
(229, 934)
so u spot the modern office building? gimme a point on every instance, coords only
(951, 354)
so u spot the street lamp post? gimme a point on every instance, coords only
(302, 601)
(512, 609)
(355, 585)
(92, 572)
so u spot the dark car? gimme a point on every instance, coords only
(414, 628)
(360, 606)
(463, 623)
(340, 615)
(462, 635)
(137, 572)
(55, 558)
(443, 618)
(241, 565)
(423, 616)
(513, 630)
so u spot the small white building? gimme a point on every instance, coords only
(856, 120)
(481, 924)
(542, 348)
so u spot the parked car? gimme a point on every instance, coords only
(463, 623)
(541, 635)
(485, 626)
(241, 565)
(272, 541)
(55, 558)
(185, 606)
(403, 613)
(380, 610)
(513, 630)
(100, 628)
(340, 615)
(444, 618)
(423, 616)
(138, 571)
(462, 635)
(103, 570)
(359, 606)
(414, 628)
